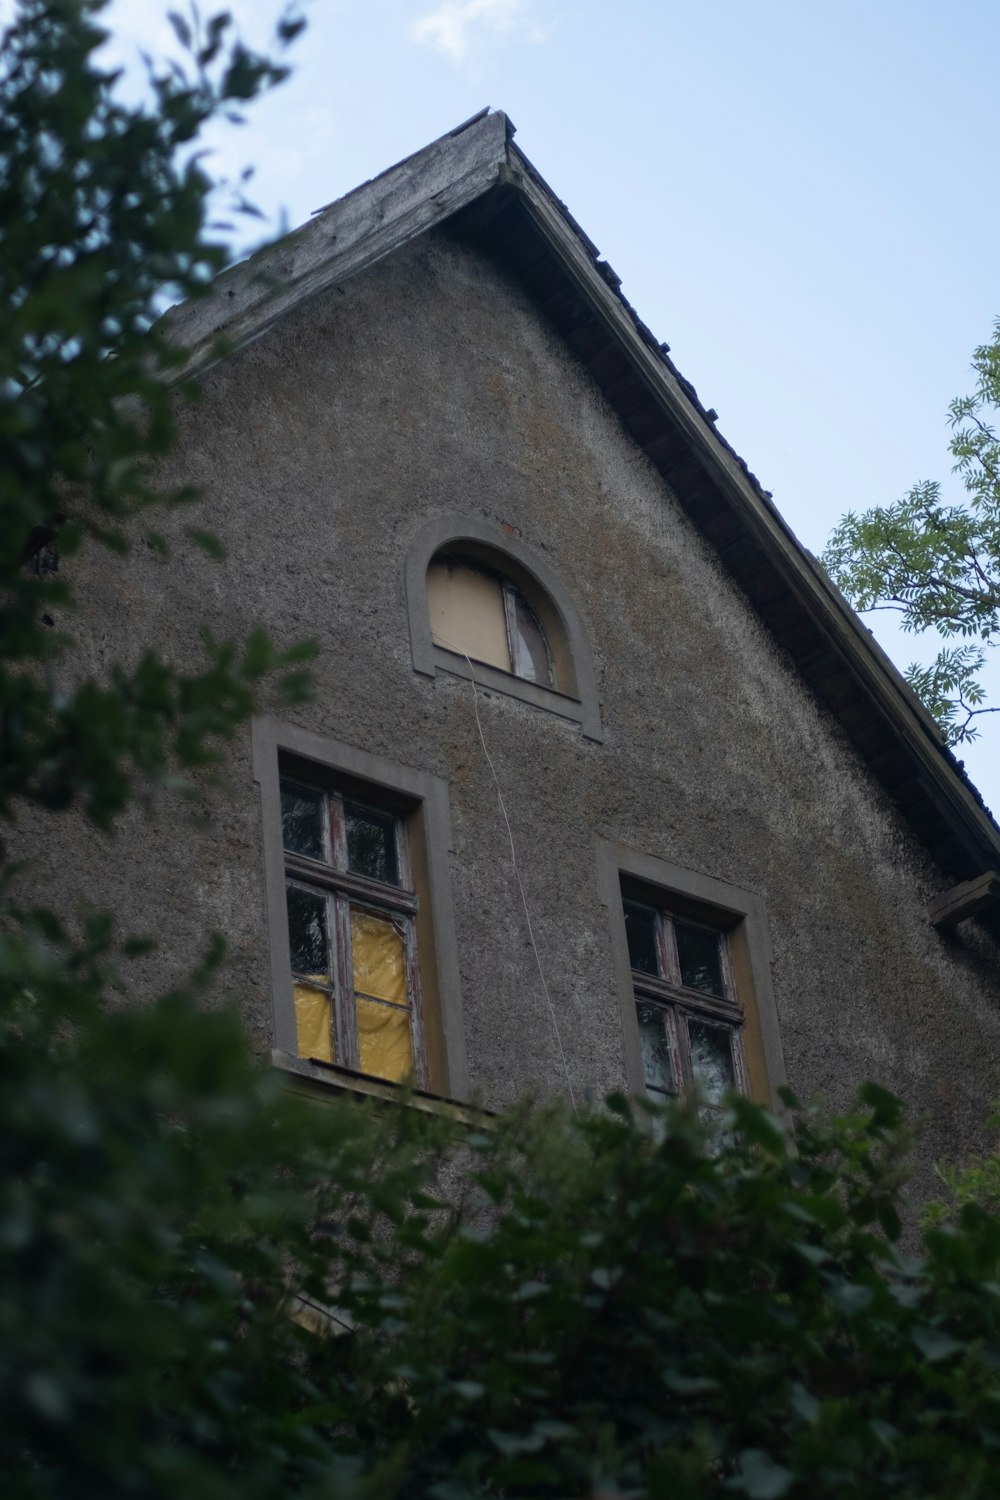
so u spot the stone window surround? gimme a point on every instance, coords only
(741, 914)
(427, 802)
(509, 556)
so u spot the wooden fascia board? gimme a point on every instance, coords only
(876, 675)
(965, 900)
(340, 242)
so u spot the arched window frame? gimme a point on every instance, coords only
(575, 695)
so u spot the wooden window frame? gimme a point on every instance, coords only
(419, 801)
(740, 915)
(342, 889)
(678, 1004)
(511, 596)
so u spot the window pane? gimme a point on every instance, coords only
(379, 955)
(314, 1022)
(640, 925)
(700, 956)
(531, 654)
(384, 1046)
(371, 843)
(302, 820)
(379, 951)
(307, 932)
(711, 1059)
(467, 612)
(656, 1065)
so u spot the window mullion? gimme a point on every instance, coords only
(345, 1020)
(513, 639)
(666, 950)
(677, 1061)
(338, 832)
(681, 1048)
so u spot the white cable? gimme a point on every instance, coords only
(520, 886)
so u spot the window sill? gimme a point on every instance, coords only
(319, 1079)
(498, 681)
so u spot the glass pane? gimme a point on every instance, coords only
(314, 1022)
(384, 1040)
(656, 1065)
(371, 843)
(307, 932)
(531, 654)
(302, 820)
(711, 1059)
(640, 925)
(700, 955)
(379, 956)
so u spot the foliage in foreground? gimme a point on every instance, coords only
(549, 1304)
(937, 564)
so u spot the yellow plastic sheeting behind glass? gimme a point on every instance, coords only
(313, 1017)
(384, 1041)
(379, 954)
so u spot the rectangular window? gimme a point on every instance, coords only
(692, 960)
(352, 940)
(689, 1019)
(361, 928)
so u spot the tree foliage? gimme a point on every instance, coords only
(210, 1287)
(937, 564)
(103, 218)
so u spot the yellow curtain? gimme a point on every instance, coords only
(313, 1021)
(379, 954)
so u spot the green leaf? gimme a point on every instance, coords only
(760, 1477)
(935, 1343)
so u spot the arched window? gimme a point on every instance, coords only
(484, 606)
(477, 612)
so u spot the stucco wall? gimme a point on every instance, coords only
(429, 385)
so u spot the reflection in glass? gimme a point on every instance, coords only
(531, 653)
(657, 1068)
(307, 931)
(700, 956)
(371, 843)
(640, 926)
(711, 1059)
(302, 820)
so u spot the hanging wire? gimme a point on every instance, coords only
(517, 873)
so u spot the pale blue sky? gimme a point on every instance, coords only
(800, 198)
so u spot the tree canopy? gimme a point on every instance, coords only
(937, 562)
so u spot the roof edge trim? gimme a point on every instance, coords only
(342, 239)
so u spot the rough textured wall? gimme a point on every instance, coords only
(429, 385)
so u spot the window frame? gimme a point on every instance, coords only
(511, 597)
(740, 916)
(575, 697)
(343, 890)
(419, 802)
(678, 1004)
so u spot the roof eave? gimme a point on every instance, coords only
(890, 696)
